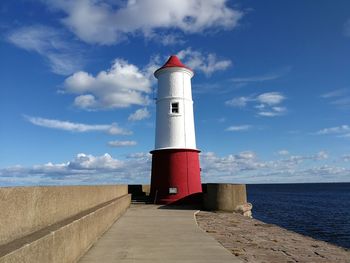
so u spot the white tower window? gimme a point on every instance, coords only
(175, 108)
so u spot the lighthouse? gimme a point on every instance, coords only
(175, 158)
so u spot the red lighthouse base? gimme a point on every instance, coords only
(175, 175)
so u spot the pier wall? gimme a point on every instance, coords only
(56, 224)
(215, 196)
(224, 197)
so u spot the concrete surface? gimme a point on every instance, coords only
(148, 234)
(65, 241)
(25, 210)
(224, 197)
(146, 188)
(254, 241)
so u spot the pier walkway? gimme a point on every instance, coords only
(148, 233)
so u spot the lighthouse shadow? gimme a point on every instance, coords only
(190, 202)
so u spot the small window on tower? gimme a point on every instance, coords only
(175, 107)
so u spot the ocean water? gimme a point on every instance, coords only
(321, 211)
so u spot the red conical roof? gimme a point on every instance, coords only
(173, 61)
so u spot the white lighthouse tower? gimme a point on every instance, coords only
(175, 162)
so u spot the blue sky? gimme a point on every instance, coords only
(271, 88)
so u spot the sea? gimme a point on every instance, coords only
(318, 210)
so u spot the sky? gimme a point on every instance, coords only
(271, 88)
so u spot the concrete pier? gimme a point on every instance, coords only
(254, 241)
(56, 224)
(148, 233)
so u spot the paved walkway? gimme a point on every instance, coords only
(148, 234)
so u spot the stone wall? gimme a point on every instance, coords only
(56, 224)
(224, 197)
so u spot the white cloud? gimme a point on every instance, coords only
(113, 128)
(270, 98)
(274, 111)
(337, 129)
(106, 22)
(122, 143)
(206, 63)
(239, 128)
(247, 155)
(267, 104)
(238, 102)
(89, 162)
(341, 131)
(243, 167)
(173, 39)
(339, 97)
(321, 155)
(63, 57)
(125, 84)
(121, 86)
(268, 113)
(139, 114)
(293, 160)
(346, 157)
(85, 101)
(82, 169)
(334, 93)
(279, 109)
(218, 168)
(246, 167)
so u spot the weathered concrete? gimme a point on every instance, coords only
(65, 241)
(224, 197)
(254, 241)
(146, 188)
(25, 210)
(148, 234)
